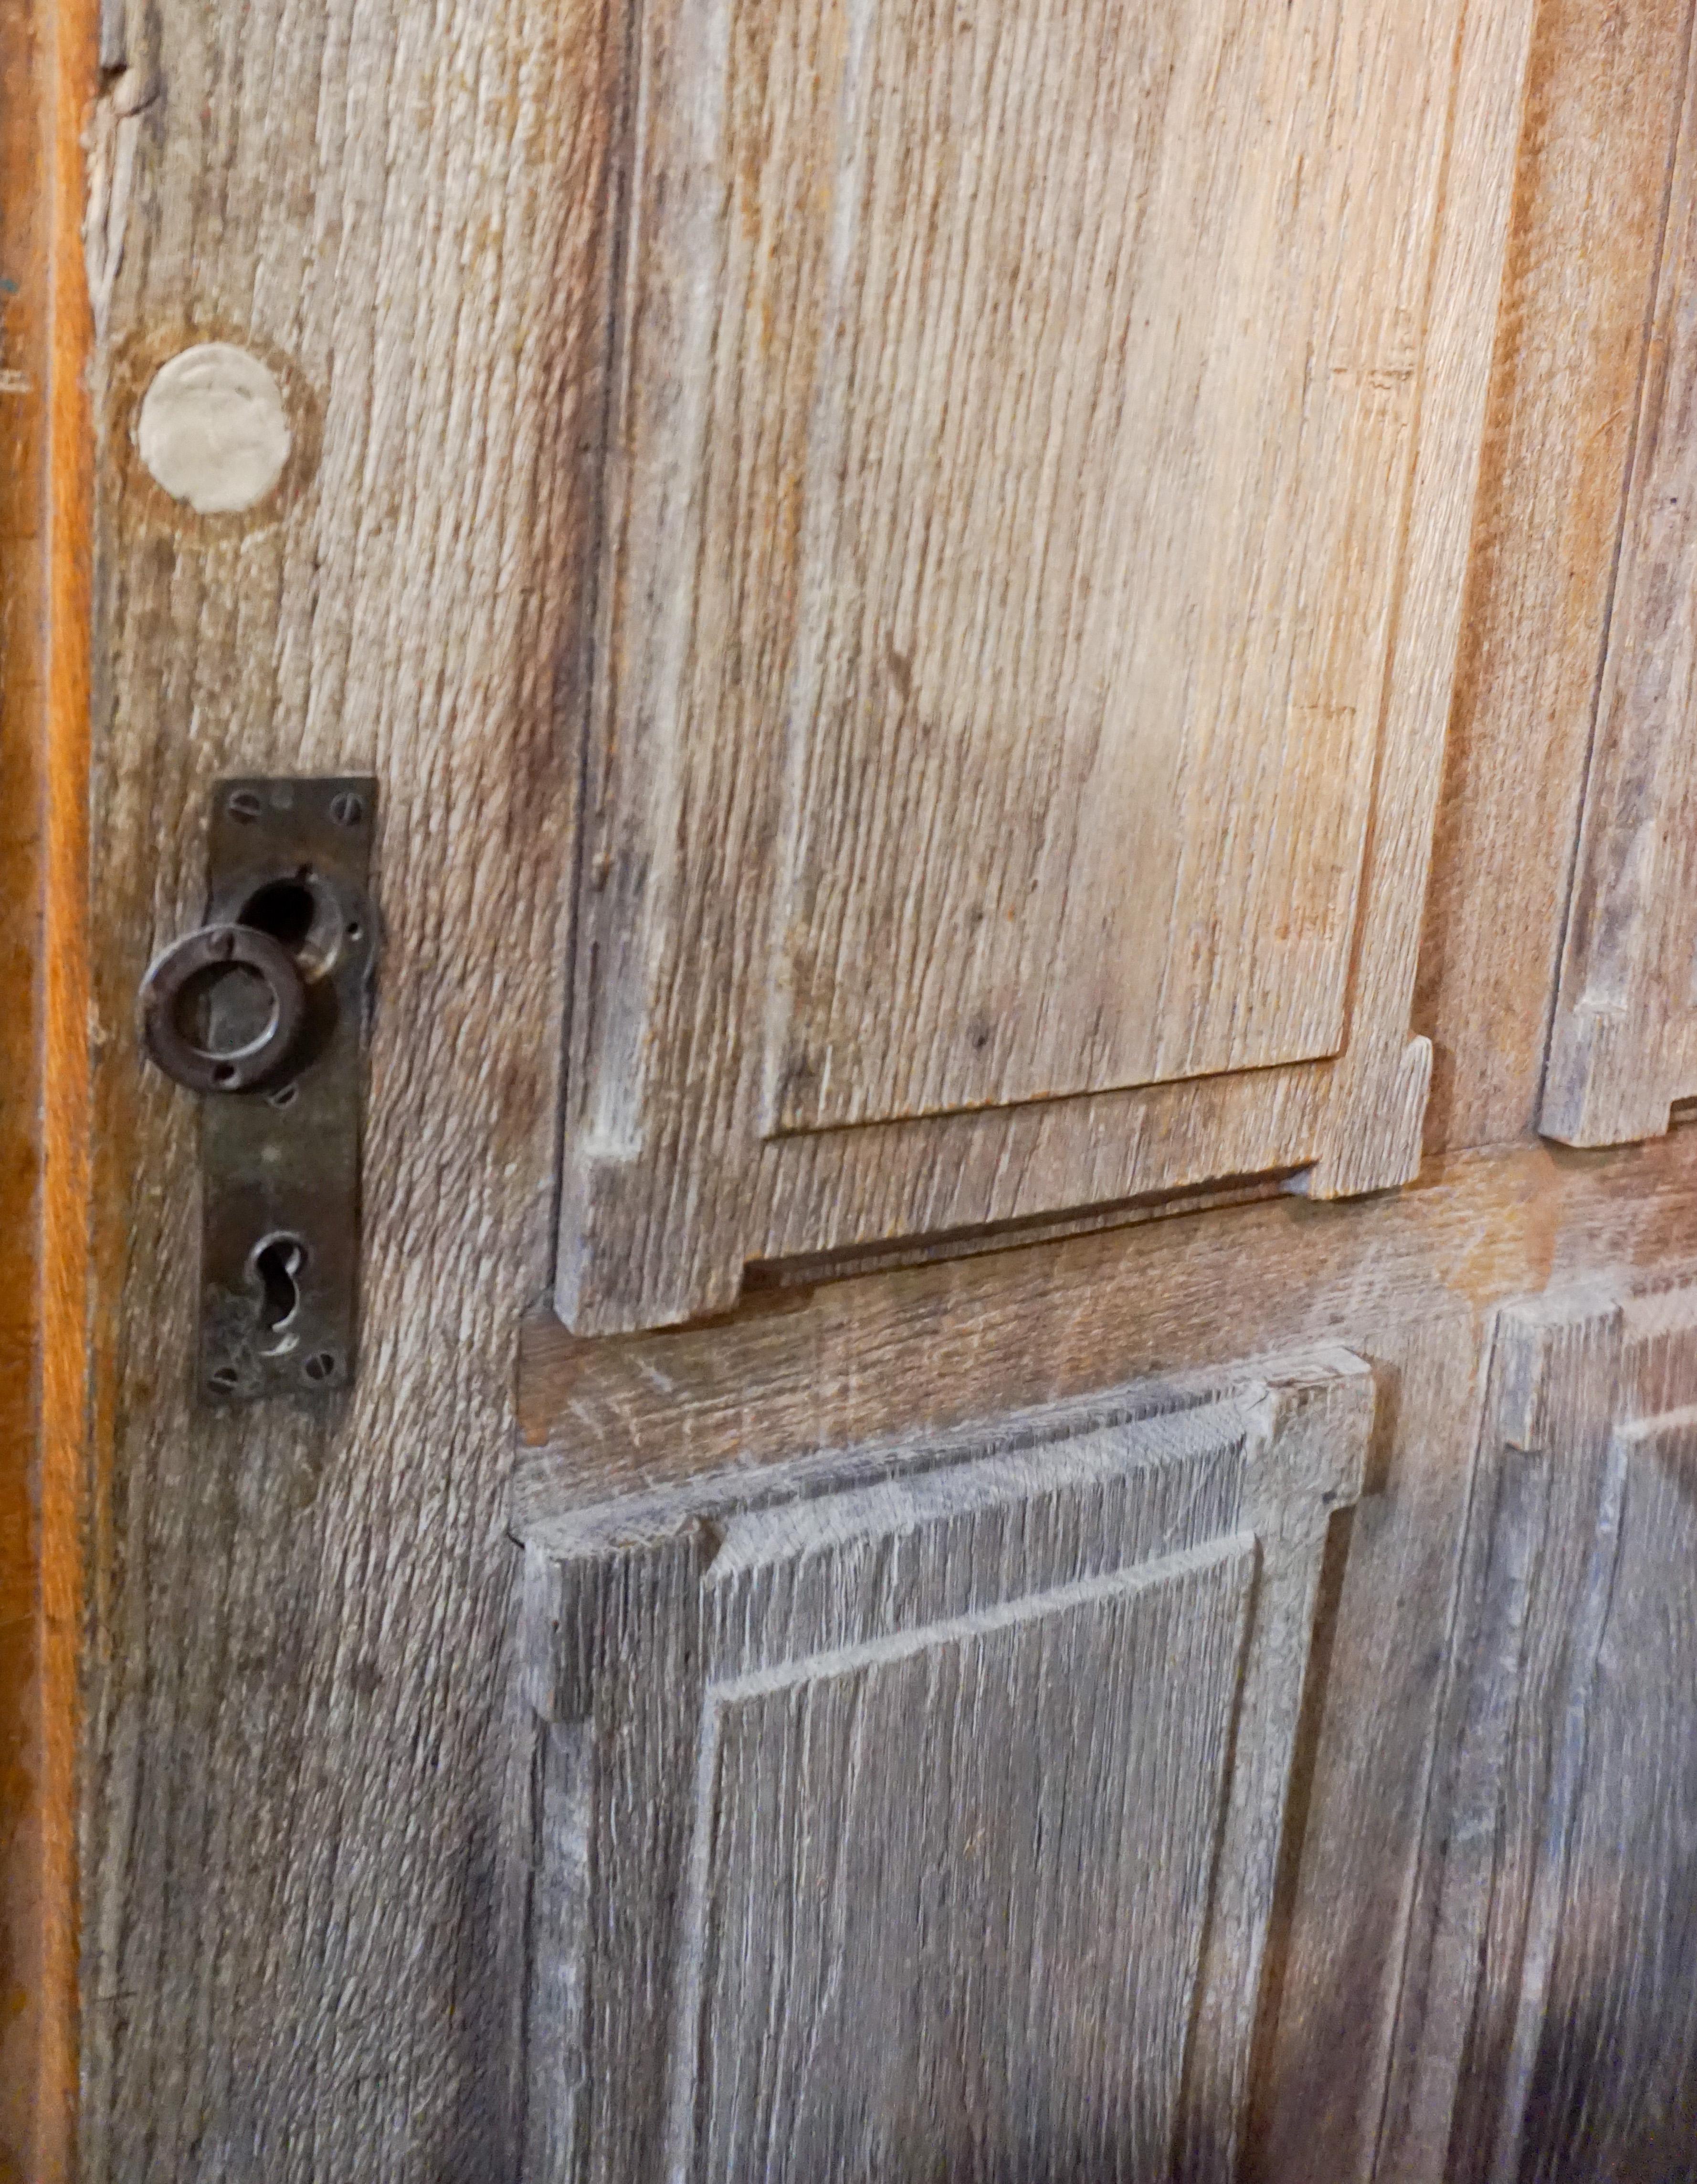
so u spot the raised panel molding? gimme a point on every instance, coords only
(1623, 1041)
(919, 1812)
(1550, 2015)
(1042, 464)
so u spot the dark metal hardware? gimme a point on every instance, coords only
(265, 1010)
(187, 1019)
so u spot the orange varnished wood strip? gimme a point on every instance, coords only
(22, 466)
(65, 50)
(45, 532)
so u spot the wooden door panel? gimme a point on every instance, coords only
(1605, 97)
(1553, 1970)
(891, 1881)
(1099, 510)
(1623, 1043)
(1043, 450)
(921, 1810)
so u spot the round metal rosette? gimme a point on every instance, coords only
(223, 1008)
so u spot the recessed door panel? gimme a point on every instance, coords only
(911, 1860)
(917, 1811)
(1100, 403)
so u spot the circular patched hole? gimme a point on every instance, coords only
(213, 428)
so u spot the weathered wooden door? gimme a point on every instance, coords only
(1017, 675)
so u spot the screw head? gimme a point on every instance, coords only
(244, 804)
(223, 1378)
(347, 809)
(320, 1366)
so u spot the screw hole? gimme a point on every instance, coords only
(223, 1378)
(347, 809)
(354, 929)
(320, 1366)
(224, 1073)
(245, 805)
(284, 1096)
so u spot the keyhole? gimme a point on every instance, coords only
(278, 1262)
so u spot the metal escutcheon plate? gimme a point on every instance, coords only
(289, 858)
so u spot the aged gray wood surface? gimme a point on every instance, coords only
(938, 769)
(959, 1846)
(1550, 2032)
(301, 1616)
(1408, 1280)
(948, 1889)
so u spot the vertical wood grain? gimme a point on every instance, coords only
(951, 1888)
(301, 1643)
(1604, 93)
(301, 1636)
(46, 55)
(1623, 1043)
(1097, 561)
(1037, 527)
(614, 1671)
(1609, 2086)
(76, 1341)
(24, 261)
(1549, 2032)
(930, 1799)
(1408, 1279)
